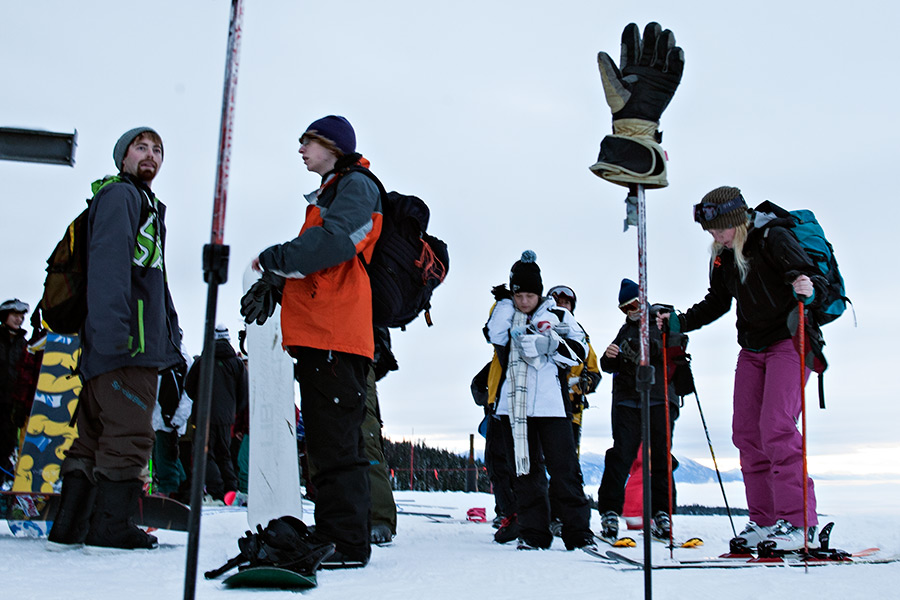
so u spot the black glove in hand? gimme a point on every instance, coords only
(258, 304)
(649, 73)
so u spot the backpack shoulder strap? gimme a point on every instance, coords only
(370, 175)
(381, 191)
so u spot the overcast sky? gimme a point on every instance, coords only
(492, 112)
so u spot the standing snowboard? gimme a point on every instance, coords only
(274, 478)
(47, 437)
(49, 434)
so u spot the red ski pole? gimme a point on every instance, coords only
(215, 272)
(801, 331)
(668, 441)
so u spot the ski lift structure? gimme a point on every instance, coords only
(38, 146)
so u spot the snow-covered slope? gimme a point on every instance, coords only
(450, 561)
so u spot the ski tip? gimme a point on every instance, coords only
(625, 542)
(693, 542)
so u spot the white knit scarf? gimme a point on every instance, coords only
(517, 398)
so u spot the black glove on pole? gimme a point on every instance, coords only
(638, 91)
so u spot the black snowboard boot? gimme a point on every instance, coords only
(112, 524)
(72, 521)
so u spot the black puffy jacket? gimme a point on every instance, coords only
(766, 298)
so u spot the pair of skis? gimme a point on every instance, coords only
(744, 557)
(868, 556)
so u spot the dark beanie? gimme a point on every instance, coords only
(735, 214)
(628, 291)
(525, 275)
(121, 147)
(336, 130)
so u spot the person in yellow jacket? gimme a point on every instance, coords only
(583, 377)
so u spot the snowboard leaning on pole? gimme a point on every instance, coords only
(274, 478)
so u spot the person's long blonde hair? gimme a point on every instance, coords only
(737, 245)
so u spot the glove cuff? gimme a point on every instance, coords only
(638, 128)
(625, 159)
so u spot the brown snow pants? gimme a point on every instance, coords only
(115, 431)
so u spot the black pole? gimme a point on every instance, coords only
(715, 464)
(215, 273)
(471, 473)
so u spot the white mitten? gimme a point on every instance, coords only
(534, 345)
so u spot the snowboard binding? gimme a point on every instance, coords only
(285, 543)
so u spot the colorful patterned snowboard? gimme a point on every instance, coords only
(49, 434)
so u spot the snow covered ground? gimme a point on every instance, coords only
(453, 560)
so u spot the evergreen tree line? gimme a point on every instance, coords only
(451, 468)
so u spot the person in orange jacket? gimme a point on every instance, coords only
(326, 322)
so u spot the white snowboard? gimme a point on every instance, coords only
(274, 480)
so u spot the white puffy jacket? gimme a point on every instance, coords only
(545, 390)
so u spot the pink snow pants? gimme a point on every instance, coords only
(764, 430)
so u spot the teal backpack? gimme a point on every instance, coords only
(832, 305)
(812, 239)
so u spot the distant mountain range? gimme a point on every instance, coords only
(688, 471)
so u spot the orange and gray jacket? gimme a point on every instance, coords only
(327, 297)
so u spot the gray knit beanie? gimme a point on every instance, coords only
(722, 208)
(122, 145)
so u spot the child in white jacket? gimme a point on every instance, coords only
(537, 342)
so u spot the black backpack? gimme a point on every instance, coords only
(407, 264)
(63, 306)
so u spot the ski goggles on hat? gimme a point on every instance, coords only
(630, 306)
(705, 212)
(562, 290)
(14, 305)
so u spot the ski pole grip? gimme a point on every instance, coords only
(645, 377)
(215, 262)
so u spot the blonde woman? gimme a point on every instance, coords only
(757, 262)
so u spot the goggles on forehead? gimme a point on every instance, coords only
(630, 306)
(14, 305)
(562, 290)
(705, 212)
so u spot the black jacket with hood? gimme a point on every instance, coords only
(131, 319)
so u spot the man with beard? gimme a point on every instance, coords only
(130, 334)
